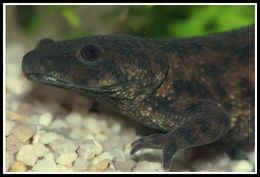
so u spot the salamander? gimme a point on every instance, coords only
(194, 91)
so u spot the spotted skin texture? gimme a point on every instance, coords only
(195, 91)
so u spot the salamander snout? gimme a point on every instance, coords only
(26, 63)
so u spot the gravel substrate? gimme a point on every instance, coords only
(51, 130)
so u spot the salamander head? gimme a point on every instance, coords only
(119, 66)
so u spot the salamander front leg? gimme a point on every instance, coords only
(203, 125)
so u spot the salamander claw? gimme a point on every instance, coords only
(153, 141)
(168, 152)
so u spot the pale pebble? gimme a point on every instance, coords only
(99, 147)
(74, 119)
(75, 134)
(118, 155)
(58, 124)
(25, 155)
(45, 119)
(87, 149)
(80, 133)
(45, 165)
(81, 164)
(100, 166)
(222, 162)
(49, 155)
(66, 158)
(94, 125)
(89, 136)
(103, 156)
(127, 150)
(24, 131)
(145, 166)
(242, 166)
(9, 160)
(112, 166)
(15, 85)
(48, 137)
(251, 157)
(116, 127)
(64, 168)
(9, 126)
(125, 165)
(13, 144)
(36, 137)
(48, 164)
(112, 142)
(18, 167)
(63, 146)
(14, 116)
(101, 137)
(39, 149)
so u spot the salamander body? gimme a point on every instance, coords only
(195, 91)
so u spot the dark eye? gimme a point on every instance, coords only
(90, 53)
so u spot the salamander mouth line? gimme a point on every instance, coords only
(51, 80)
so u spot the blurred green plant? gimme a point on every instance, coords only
(30, 21)
(27, 18)
(149, 20)
(213, 19)
(184, 21)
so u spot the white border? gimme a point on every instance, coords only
(4, 88)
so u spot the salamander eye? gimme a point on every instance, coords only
(89, 53)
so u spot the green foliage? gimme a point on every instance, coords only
(70, 17)
(27, 18)
(184, 21)
(150, 20)
(212, 19)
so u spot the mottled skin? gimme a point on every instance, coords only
(195, 90)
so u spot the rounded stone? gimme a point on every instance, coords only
(66, 158)
(74, 119)
(63, 146)
(13, 144)
(81, 164)
(58, 124)
(87, 149)
(103, 156)
(125, 165)
(145, 166)
(8, 161)
(39, 149)
(24, 132)
(101, 166)
(18, 167)
(45, 119)
(9, 126)
(242, 166)
(93, 123)
(48, 137)
(25, 155)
